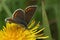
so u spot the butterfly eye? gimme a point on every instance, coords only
(9, 20)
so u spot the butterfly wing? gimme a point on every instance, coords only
(29, 11)
(19, 14)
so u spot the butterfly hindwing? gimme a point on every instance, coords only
(29, 11)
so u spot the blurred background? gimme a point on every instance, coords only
(48, 13)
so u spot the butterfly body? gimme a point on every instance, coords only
(22, 16)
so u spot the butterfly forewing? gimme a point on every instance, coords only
(29, 11)
(19, 13)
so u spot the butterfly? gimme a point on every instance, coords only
(21, 16)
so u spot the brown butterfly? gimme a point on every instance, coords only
(22, 16)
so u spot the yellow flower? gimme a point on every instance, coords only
(14, 31)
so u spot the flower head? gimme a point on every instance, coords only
(14, 31)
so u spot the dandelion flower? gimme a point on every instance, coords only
(14, 31)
